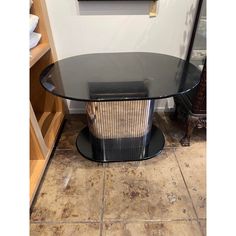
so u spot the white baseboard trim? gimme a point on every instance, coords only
(163, 109)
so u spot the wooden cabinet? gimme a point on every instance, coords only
(46, 111)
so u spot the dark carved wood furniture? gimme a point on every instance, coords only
(192, 108)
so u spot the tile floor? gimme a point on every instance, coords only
(160, 197)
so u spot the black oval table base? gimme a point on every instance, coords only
(117, 154)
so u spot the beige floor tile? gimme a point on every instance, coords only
(88, 229)
(75, 122)
(72, 190)
(203, 226)
(152, 191)
(164, 124)
(71, 129)
(197, 149)
(178, 228)
(64, 161)
(68, 140)
(67, 209)
(192, 161)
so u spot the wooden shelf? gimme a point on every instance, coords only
(36, 171)
(46, 111)
(53, 129)
(45, 120)
(49, 123)
(37, 52)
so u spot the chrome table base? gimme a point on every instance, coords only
(120, 131)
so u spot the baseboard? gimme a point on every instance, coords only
(164, 109)
(156, 109)
(76, 110)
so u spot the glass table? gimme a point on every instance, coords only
(119, 90)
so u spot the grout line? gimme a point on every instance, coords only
(188, 193)
(103, 200)
(113, 221)
(148, 221)
(63, 222)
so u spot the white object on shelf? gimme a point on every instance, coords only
(33, 22)
(34, 39)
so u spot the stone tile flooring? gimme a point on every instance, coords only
(160, 197)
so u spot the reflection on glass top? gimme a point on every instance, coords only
(119, 76)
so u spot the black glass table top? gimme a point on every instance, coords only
(119, 76)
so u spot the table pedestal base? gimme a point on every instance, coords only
(118, 153)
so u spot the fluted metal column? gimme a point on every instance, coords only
(120, 129)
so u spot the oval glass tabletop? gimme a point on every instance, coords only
(119, 76)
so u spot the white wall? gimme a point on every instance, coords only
(116, 26)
